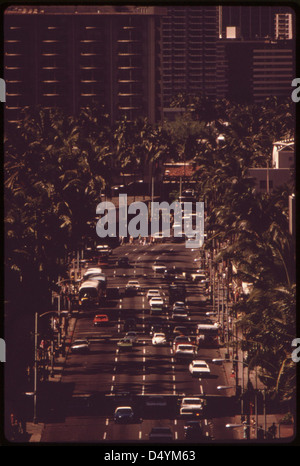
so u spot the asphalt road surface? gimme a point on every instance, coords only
(93, 384)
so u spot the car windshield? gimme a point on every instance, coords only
(124, 410)
(199, 364)
(161, 430)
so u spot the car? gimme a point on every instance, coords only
(192, 430)
(153, 293)
(132, 286)
(131, 335)
(100, 319)
(199, 367)
(156, 301)
(80, 345)
(192, 406)
(178, 305)
(180, 330)
(129, 324)
(159, 339)
(92, 272)
(125, 344)
(185, 351)
(123, 414)
(123, 262)
(180, 314)
(156, 309)
(198, 277)
(159, 268)
(162, 434)
(182, 339)
(104, 249)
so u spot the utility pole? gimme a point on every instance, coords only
(35, 370)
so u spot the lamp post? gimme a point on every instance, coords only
(255, 392)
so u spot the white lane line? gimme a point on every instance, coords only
(112, 388)
(104, 436)
(140, 434)
(201, 389)
(107, 422)
(176, 435)
(113, 378)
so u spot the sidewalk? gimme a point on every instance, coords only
(285, 432)
(35, 430)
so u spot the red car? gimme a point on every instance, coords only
(100, 319)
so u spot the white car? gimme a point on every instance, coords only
(159, 268)
(199, 367)
(133, 286)
(180, 314)
(159, 339)
(92, 272)
(185, 350)
(156, 301)
(80, 346)
(179, 304)
(153, 294)
(191, 406)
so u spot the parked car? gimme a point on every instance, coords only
(199, 367)
(80, 346)
(123, 414)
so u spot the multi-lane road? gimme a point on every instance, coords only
(93, 384)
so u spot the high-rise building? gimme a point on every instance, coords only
(188, 52)
(70, 56)
(253, 21)
(283, 26)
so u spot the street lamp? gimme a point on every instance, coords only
(220, 360)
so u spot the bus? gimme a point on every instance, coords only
(90, 294)
(208, 334)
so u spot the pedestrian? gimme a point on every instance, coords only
(253, 424)
(272, 430)
(260, 433)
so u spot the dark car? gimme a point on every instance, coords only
(123, 414)
(161, 434)
(192, 430)
(129, 324)
(123, 262)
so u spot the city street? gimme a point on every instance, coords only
(113, 377)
